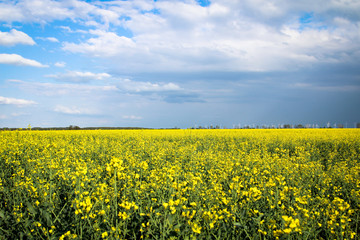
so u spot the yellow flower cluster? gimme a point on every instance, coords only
(180, 184)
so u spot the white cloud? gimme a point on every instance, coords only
(50, 39)
(184, 36)
(69, 30)
(160, 91)
(9, 12)
(169, 92)
(16, 101)
(73, 110)
(15, 59)
(15, 37)
(40, 11)
(60, 64)
(104, 13)
(132, 117)
(106, 44)
(272, 11)
(228, 35)
(76, 76)
(54, 89)
(2, 116)
(138, 86)
(44, 11)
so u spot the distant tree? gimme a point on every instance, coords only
(72, 127)
(287, 126)
(358, 125)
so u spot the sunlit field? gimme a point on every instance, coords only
(180, 184)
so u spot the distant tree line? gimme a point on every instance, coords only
(71, 127)
(252, 126)
(208, 127)
(279, 126)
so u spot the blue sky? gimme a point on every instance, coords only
(179, 63)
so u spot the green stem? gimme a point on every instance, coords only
(116, 204)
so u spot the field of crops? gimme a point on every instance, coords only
(180, 184)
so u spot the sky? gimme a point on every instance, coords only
(179, 63)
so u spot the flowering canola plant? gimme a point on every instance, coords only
(180, 184)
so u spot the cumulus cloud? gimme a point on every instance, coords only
(15, 59)
(228, 35)
(73, 110)
(180, 13)
(225, 36)
(76, 76)
(41, 11)
(16, 101)
(105, 44)
(9, 12)
(45, 11)
(15, 37)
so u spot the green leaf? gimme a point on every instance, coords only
(31, 208)
(2, 215)
(46, 215)
(237, 224)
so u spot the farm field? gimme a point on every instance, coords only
(180, 184)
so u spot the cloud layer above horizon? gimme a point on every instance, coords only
(179, 63)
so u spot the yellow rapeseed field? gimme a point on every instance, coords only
(180, 184)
